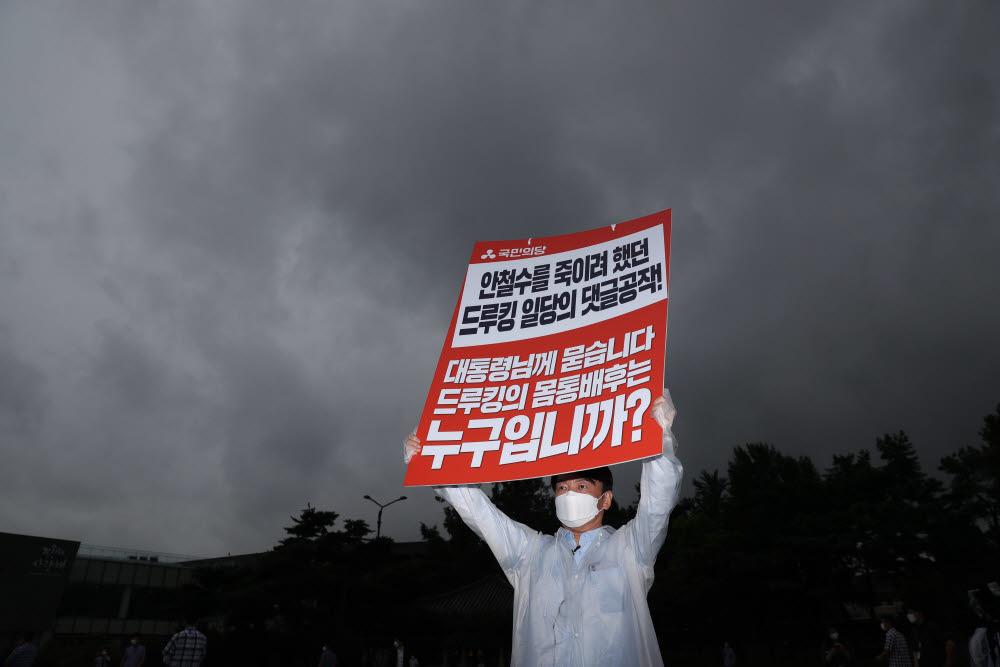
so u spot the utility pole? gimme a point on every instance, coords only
(378, 529)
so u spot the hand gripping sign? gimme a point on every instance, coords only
(553, 358)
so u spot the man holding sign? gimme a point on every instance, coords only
(547, 370)
(580, 595)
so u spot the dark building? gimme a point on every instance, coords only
(34, 572)
(116, 592)
(73, 597)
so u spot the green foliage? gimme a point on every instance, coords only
(311, 525)
(710, 494)
(975, 479)
(902, 476)
(430, 534)
(774, 548)
(356, 531)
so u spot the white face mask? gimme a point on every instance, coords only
(912, 618)
(575, 509)
(834, 636)
(884, 627)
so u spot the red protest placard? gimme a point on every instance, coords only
(553, 358)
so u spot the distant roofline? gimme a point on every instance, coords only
(121, 553)
(104, 552)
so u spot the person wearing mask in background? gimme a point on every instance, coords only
(328, 658)
(103, 659)
(931, 646)
(896, 651)
(135, 654)
(580, 595)
(835, 653)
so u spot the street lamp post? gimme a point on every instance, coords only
(378, 529)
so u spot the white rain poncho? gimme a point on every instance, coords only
(591, 613)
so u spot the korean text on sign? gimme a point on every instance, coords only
(554, 355)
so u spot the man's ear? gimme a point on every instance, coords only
(605, 501)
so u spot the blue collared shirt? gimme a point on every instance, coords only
(586, 539)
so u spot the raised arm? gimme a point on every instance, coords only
(506, 538)
(659, 489)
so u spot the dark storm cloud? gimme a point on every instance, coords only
(869, 262)
(233, 233)
(22, 399)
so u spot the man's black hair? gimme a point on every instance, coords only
(602, 475)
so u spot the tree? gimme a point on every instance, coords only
(430, 534)
(311, 525)
(771, 493)
(902, 475)
(975, 479)
(710, 493)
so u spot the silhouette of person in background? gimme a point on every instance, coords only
(24, 653)
(931, 645)
(834, 652)
(896, 650)
(984, 644)
(187, 648)
(135, 654)
(728, 655)
(328, 658)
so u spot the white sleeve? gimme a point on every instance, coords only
(659, 491)
(979, 648)
(507, 539)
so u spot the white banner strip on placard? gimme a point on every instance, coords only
(536, 296)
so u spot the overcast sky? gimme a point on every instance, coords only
(232, 234)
